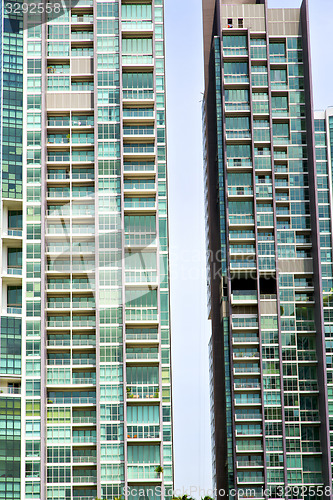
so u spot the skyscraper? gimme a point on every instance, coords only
(270, 253)
(85, 377)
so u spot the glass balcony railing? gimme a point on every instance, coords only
(84, 361)
(139, 185)
(238, 134)
(243, 264)
(141, 314)
(245, 322)
(82, 35)
(139, 203)
(138, 94)
(14, 270)
(14, 231)
(142, 391)
(236, 79)
(58, 157)
(128, 131)
(138, 112)
(142, 472)
(138, 149)
(240, 191)
(84, 420)
(141, 276)
(133, 25)
(237, 106)
(14, 309)
(58, 122)
(143, 431)
(77, 459)
(137, 59)
(10, 391)
(245, 338)
(143, 356)
(138, 334)
(241, 219)
(252, 463)
(242, 295)
(248, 416)
(140, 239)
(84, 439)
(235, 51)
(83, 18)
(247, 369)
(76, 400)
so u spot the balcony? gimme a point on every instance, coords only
(240, 220)
(84, 459)
(71, 401)
(82, 18)
(14, 270)
(138, 149)
(140, 203)
(141, 276)
(238, 134)
(137, 59)
(16, 310)
(240, 191)
(248, 416)
(140, 239)
(139, 185)
(245, 321)
(82, 35)
(85, 479)
(248, 296)
(236, 79)
(252, 463)
(235, 51)
(246, 339)
(88, 439)
(84, 420)
(142, 392)
(247, 385)
(138, 131)
(247, 369)
(141, 335)
(138, 113)
(84, 361)
(142, 25)
(14, 232)
(143, 431)
(239, 163)
(143, 472)
(138, 94)
(142, 354)
(144, 314)
(10, 391)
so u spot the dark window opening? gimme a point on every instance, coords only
(240, 23)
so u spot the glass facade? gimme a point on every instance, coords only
(273, 210)
(85, 327)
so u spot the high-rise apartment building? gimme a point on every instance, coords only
(269, 214)
(85, 378)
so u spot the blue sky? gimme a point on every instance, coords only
(190, 328)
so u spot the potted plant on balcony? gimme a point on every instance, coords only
(159, 470)
(129, 392)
